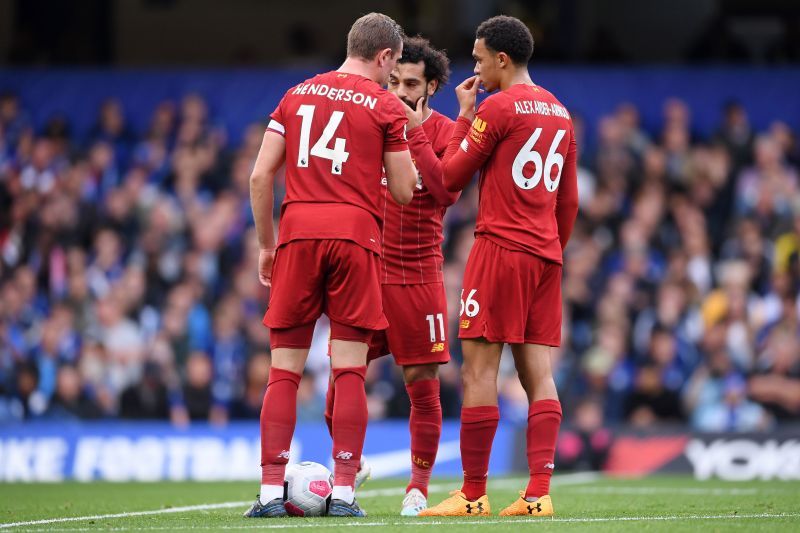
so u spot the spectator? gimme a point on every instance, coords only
(197, 393)
(128, 279)
(148, 398)
(776, 380)
(584, 445)
(70, 399)
(735, 134)
(716, 397)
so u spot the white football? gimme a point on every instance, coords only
(307, 488)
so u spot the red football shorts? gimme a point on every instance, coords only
(510, 296)
(331, 276)
(417, 332)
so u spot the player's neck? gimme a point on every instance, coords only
(516, 77)
(356, 66)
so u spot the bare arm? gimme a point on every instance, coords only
(401, 176)
(271, 156)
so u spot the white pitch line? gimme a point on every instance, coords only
(648, 491)
(184, 509)
(566, 479)
(477, 521)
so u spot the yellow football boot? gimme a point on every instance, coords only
(522, 507)
(458, 505)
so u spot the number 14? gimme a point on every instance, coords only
(336, 155)
(431, 323)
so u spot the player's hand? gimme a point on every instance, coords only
(265, 259)
(415, 115)
(467, 94)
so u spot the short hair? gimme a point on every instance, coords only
(437, 65)
(372, 33)
(509, 35)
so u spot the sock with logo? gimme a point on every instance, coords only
(544, 419)
(278, 417)
(425, 424)
(478, 426)
(349, 424)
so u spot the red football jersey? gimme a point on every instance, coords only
(524, 138)
(412, 234)
(337, 127)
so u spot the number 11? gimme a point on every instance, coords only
(432, 325)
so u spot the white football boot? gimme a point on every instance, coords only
(364, 473)
(413, 503)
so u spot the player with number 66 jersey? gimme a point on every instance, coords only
(522, 141)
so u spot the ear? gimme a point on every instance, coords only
(503, 60)
(432, 85)
(384, 56)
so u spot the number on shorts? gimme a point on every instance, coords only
(432, 325)
(471, 306)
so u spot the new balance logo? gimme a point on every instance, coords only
(438, 347)
(537, 508)
(344, 455)
(284, 454)
(475, 509)
(551, 466)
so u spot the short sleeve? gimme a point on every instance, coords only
(486, 130)
(276, 122)
(394, 119)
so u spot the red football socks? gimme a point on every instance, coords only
(478, 426)
(349, 423)
(544, 419)
(278, 417)
(329, 408)
(425, 424)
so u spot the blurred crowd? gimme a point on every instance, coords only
(129, 288)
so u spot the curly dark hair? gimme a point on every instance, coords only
(509, 35)
(437, 65)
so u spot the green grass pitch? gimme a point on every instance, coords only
(581, 501)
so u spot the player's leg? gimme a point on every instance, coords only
(295, 304)
(417, 339)
(544, 415)
(425, 426)
(279, 410)
(349, 414)
(544, 419)
(377, 349)
(479, 419)
(355, 310)
(479, 412)
(532, 360)
(329, 405)
(491, 315)
(279, 415)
